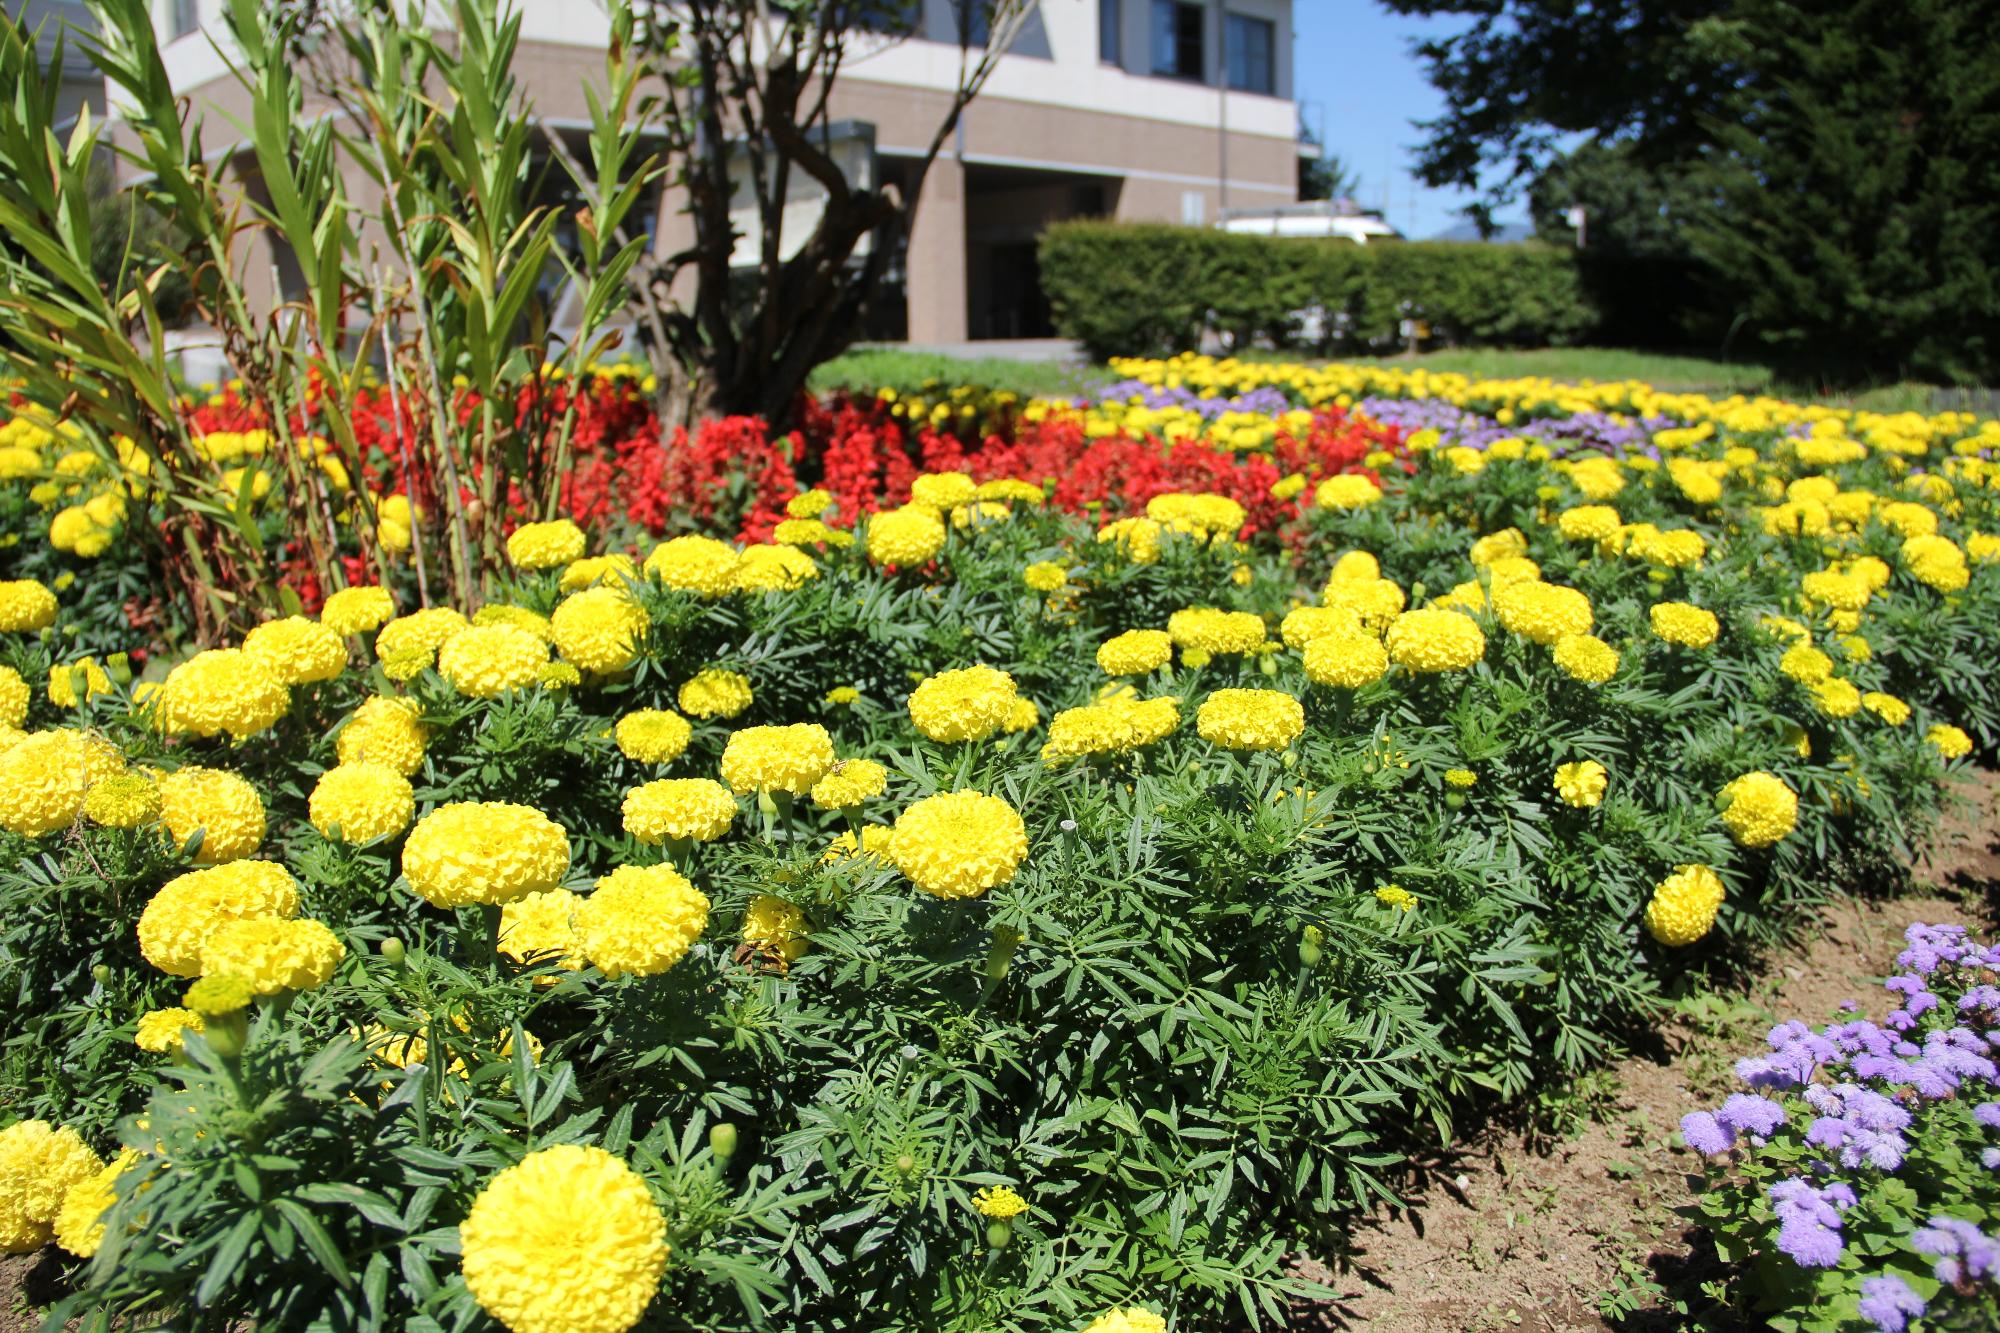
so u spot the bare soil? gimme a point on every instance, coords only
(1571, 1224)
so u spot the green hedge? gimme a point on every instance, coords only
(1125, 289)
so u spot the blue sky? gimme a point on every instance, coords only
(1355, 73)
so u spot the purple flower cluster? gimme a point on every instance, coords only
(1809, 1220)
(1859, 1096)
(1960, 1252)
(1267, 401)
(1889, 1302)
(1584, 432)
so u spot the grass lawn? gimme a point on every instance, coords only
(912, 372)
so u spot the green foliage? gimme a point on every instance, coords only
(1129, 290)
(1858, 181)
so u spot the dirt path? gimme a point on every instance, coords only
(1573, 1228)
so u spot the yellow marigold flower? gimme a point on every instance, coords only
(1375, 601)
(1431, 640)
(1683, 906)
(1936, 561)
(1887, 707)
(1836, 697)
(1045, 576)
(969, 704)
(1695, 480)
(906, 538)
(774, 569)
(568, 1240)
(1806, 664)
(558, 676)
(1542, 612)
(943, 490)
(1306, 623)
(1684, 624)
(419, 634)
(640, 921)
(1396, 896)
(1206, 515)
(520, 617)
(74, 685)
(653, 736)
(808, 532)
(1250, 719)
(361, 802)
(850, 782)
(1949, 741)
(160, 1030)
(1127, 1319)
(14, 698)
(809, 504)
(486, 661)
(979, 512)
(1508, 543)
(545, 545)
(1582, 783)
(297, 651)
(484, 852)
(1346, 661)
(221, 690)
(959, 844)
(1507, 570)
(613, 571)
(772, 925)
(222, 806)
(599, 629)
(876, 840)
(1350, 490)
(541, 928)
(219, 996)
(273, 954)
(1908, 518)
(999, 1202)
(189, 908)
(713, 692)
(357, 610)
(840, 696)
(38, 1165)
(1211, 631)
(1110, 726)
(786, 759)
(701, 566)
(1842, 592)
(1587, 523)
(25, 606)
(1136, 652)
(1289, 485)
(44, 777)
(679, 810)
(383, 730)
(123, 800)
(1137, 538)
(1012, 490)
(1983, 547)
(79, 1222)
(1598, 477)
(1022, 715)
(1586, 657)
(1675, 549)
(1460, 778)
(1759, 809)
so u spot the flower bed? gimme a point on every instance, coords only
(1067, 864)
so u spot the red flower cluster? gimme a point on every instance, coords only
(622, 472)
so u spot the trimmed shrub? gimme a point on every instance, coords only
(1124, 289)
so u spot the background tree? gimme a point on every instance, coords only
(1856, 225)
(1323, 175)
(748, 107)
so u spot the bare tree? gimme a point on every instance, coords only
(749, 86)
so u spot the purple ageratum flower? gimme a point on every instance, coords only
(1990, 1158)
(1980, 998)
(1889, 1302)
(1823, 1100)
(1987, 1114)
(1754, 1117)
(1855, 1145)
(1848, 1006)
(1701, 1131)
(1930, 947)
(1872, 1111)
(1860, 1037)
(1959, 1251)
(1809, 1221)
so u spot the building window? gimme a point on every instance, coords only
(1251, 45)
(1178, 48)
(898, 18)
(1110, 20)
(183, 17)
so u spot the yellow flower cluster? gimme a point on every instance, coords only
(599, 629)
(179, 920)
(272, 954)
(652, 736)
(39, 1165)
(545, 545)
(222, 691)
(1543, 613)
(223, 808)
(850, 782)
(1582, 783)
(969, 704)
(713, 692)
(1119, 724)
(640, 921)
(679, 810)
(486, 661)
(1759, 809)
(385, 731)
(361, 802)
(701, 566)
(1431, 640)
(1136, 652)
(1683, 624)
(906, 538)
(786, 759)
(1250, 719)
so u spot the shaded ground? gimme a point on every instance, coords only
(1573, 1227)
